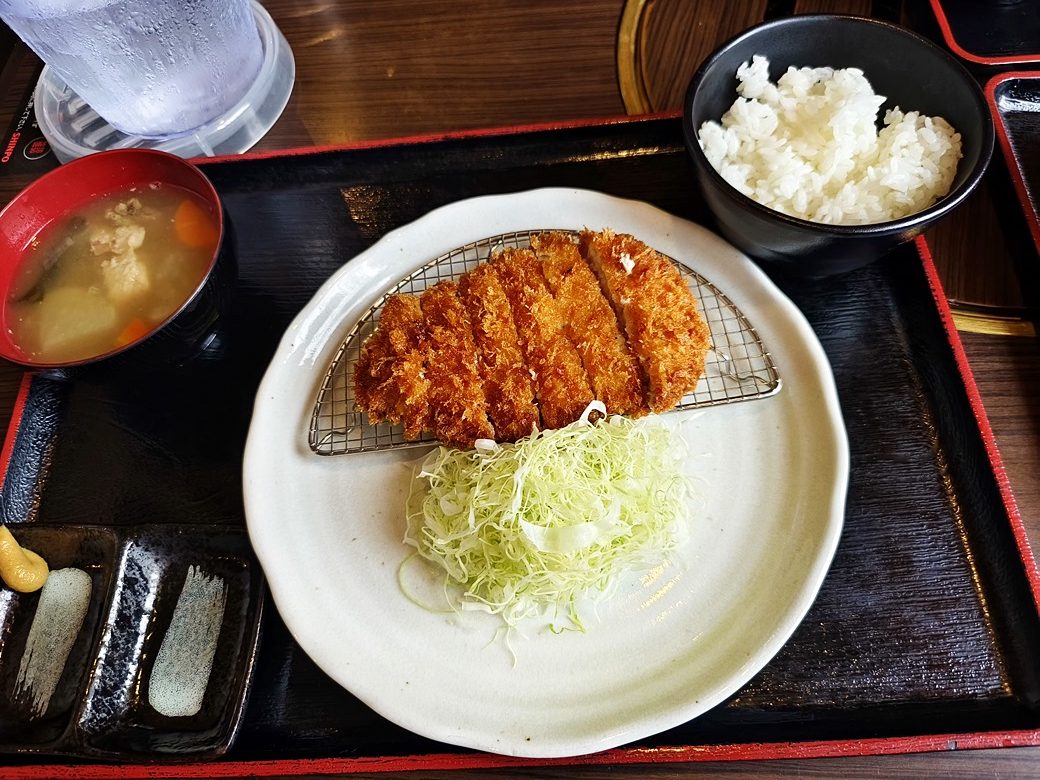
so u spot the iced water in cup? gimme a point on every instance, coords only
(151, 68)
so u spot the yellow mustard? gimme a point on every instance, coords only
(21, 570)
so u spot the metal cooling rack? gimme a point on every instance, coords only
(737, 368)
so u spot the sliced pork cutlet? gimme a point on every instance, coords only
(507, 382)
(656, 308)
(390, 382)
(458, 407)
(561, 385)
(591, 325)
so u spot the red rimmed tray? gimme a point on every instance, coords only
(936, 653)
(992, 34)
(1014, 101)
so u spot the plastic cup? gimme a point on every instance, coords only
(151, 68)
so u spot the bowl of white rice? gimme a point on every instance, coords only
(820, 142)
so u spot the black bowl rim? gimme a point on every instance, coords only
(938, 209)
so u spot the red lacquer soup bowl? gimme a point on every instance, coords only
(89, 221)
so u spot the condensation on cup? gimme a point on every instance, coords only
(151, 68)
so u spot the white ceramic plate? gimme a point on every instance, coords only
(328, 530)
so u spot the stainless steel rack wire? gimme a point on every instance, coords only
(738, 366)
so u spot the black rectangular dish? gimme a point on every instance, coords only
(1014, 100)
(926, 632)
(141, 644)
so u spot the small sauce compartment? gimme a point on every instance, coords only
(178, 645)
(48, 638)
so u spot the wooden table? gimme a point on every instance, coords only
(394, 68)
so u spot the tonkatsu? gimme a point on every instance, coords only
(591, 325)
(458, 406)
(390, 381)
(507, 381)
(655, 307)
(560, 381)
(527, 339)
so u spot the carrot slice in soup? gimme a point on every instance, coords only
(132, 332)
(194, 227)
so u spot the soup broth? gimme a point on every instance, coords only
(107, 274)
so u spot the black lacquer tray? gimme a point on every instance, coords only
(990, 33)
(925, 635)
(1014, 100)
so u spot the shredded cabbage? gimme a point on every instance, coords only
(530, 529)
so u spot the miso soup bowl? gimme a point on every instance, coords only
(910, 71)
(185, 334)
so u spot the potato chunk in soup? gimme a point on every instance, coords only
(107, 274)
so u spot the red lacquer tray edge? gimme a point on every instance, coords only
(15, 423)
(633, 755)
(426, 138)
(956, 48)
(985, 429)
(1032, 218)
(464, 761)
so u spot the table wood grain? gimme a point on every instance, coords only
(396, 68)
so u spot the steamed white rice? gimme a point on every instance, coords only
(809, 146)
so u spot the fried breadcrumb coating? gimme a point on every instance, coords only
(507, 382)
(458, 407)
(659, 313)
(390, 382)
(591, 325)
(559, 378)
(531, 337)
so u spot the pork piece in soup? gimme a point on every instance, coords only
(107, 274)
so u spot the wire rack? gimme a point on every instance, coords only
(737, 368)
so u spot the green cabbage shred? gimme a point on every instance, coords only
(531, 529)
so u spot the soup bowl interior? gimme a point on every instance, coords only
(65, 191)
